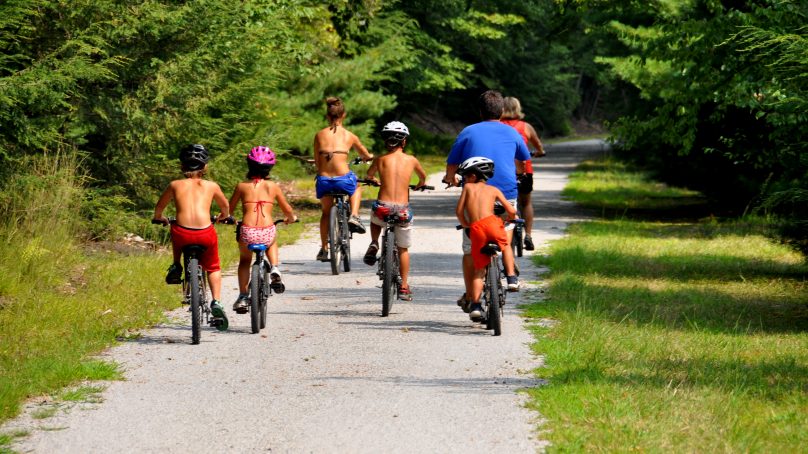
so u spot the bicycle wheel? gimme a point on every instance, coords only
(255, 297)
(194, 274)
(389, 281)
(265, 292)
(345, 234)
(334, 238)
(518, 238)
(494, 309)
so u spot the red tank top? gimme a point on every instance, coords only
(519, 126)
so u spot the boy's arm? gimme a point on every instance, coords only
(221, 201)
(460, 211)
(371, 175)
(162, 203)
(236, 196)
(363, 152)
(285, 206)
(505, 204)
(419, 170)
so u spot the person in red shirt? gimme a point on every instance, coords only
(512, 115)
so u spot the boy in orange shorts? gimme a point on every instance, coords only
(192, 197)
(475, 211)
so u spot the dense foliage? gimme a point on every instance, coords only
(712, 92)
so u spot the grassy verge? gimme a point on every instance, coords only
(687, 337)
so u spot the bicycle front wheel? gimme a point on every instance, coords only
(493, 310)
(518, 238)
(345, 234)
(255, 297)
(389, 281)
(334, 238)
(195, 287)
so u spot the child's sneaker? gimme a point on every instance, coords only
(476, 312)
(174, 275)
(513, 283)
(464, 304)
(322, 256)
(242, 303)
(217, 310)
(370, 255)
(404, 294)
(529, 243)
(276, 281)
(355, 225)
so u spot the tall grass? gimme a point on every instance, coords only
(676, 337)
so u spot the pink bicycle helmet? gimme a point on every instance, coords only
(262, 155)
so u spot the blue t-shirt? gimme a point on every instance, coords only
(498, 142)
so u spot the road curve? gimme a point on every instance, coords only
(329, 374)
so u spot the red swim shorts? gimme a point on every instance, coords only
(482, 232)
(183, 236)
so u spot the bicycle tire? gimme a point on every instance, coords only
(494, 309)
(345, 235)
(389, 280)
(518, 239)
(193, 271)
(334, 238)
(255, 298)
(265, 292)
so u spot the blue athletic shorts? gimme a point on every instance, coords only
(343, 184)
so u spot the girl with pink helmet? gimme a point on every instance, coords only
(258, 196)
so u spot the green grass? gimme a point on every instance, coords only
(7, 438)
(680, 337)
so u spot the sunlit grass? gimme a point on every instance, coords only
(612, 185)
(685, 337)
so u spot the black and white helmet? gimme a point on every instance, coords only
(194, 157)
(394, 133)
(483, 167)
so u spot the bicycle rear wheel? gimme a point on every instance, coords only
(345, 234)
(195, 287)
(493, 292)
(389, 281)
(334, 238)
(265, 292)
(255, 298)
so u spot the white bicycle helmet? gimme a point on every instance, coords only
(394, 133)
(483, 167)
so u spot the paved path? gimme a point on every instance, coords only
(329, 374)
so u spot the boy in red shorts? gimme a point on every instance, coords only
(192, 197)
(475, 211)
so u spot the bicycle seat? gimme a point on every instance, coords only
(257, 247)
(193, 249)
(336, 194)
(490, 249)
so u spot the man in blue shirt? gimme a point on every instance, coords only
(500, 143)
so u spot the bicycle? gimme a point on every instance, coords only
(517, 242)
(493, 294)
(261, 287)
(389, 272)
(339, 233)
(194, 286)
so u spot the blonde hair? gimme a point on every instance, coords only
(335, 109)
(512, 109)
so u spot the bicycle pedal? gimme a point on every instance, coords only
(242, 310)
(277, 287)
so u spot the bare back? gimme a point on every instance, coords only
(395, 170)
(477, 202)
(331, 147)
(192, 198)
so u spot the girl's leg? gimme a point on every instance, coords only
(273, 254)
(356, 199)
(526, 207)
(326, 203)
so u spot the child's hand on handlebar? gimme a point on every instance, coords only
(160, 220)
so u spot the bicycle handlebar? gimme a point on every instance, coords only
(280, 221)
(511, 221)
(227, 220)
(412, 186)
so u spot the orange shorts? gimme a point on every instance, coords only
(183, 236)
(482, 232)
